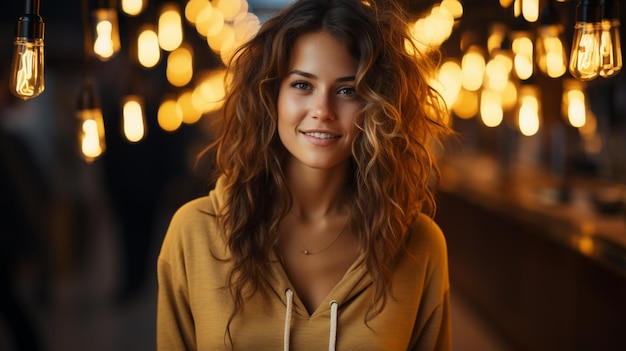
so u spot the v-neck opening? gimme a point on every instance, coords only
(334, 293)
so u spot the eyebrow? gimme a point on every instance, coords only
(313, 76)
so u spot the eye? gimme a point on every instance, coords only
(301, 85)
(349, 91)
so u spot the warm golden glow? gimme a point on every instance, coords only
(509, 96)
(491, 108)
(91, 134)
(148, 49)
(576, 110)
(245, 25)
(551, 54)
(586, 245)
(228, 8)
(209, 22)
(179, 69)
(132, 7)
(209, 95)
(454, 7)
(432, 30)
(448, 82)
(106, 34)
(222, 41)
(517, 8)
(170, 27)
(506, 3)
(90, 144)
(523, 61)
(195, 7)
(497, 73)
(169, 116)
(133, 120)
(103, 46)
(585, 56)
(466, 105)
(528, 114)
(27, 70)
(530, 10)
(473, 69)
(497, 34)
(574, 106)
(191, 114)
(610, 48)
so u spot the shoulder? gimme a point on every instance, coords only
(192, 214)
(425, 236)
(192, 227)
(426, 248)
(199, 214)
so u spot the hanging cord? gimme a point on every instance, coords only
(332, 340)
(333, 326)
(287, 332)
(87, 38)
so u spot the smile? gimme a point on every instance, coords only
(321, 135)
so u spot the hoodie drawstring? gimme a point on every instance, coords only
(333, 325)
(333, 322)
(287, 332)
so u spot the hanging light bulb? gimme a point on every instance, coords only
(529, 113)
(27, 78)
(148, 49)
(91, 125)
(610, 44)
(551, 54)
(170, 27)
(530, 10)
(133, 7)
(585, 55)
(574, 107)
(522, 41)
(106, 34)
(133, 119)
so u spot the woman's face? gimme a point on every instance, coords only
(317, 103)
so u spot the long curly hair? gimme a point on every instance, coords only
(393, 166)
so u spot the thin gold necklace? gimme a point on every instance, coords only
(307, 252)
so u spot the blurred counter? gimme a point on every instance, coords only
(541, 265)
(584, 215)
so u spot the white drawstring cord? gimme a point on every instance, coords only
(287, 332)
(333, 326)
(333, 322)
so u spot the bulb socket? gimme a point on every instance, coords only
(610, 10)
(589, 11)
(30, 26)
(88, 99)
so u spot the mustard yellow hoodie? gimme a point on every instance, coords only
(194, 306)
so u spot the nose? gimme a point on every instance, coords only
(322, 107)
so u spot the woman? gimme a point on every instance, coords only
(315, 234)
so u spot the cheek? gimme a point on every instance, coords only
(290, 109)
(285, 113)
(354, 120)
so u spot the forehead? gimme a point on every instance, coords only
(321, 51)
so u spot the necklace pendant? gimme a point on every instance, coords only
(305, 251)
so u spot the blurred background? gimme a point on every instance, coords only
(92, 167)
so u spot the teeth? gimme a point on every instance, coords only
(321, 135)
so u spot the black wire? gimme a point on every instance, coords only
(87, 37)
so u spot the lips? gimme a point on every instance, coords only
(320, 135)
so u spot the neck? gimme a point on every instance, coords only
(317, 193)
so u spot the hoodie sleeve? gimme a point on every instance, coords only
(175, 323)
(433, 325)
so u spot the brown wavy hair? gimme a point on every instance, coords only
(393, 167)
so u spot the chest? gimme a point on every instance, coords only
(261, 326)
(314, 275)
